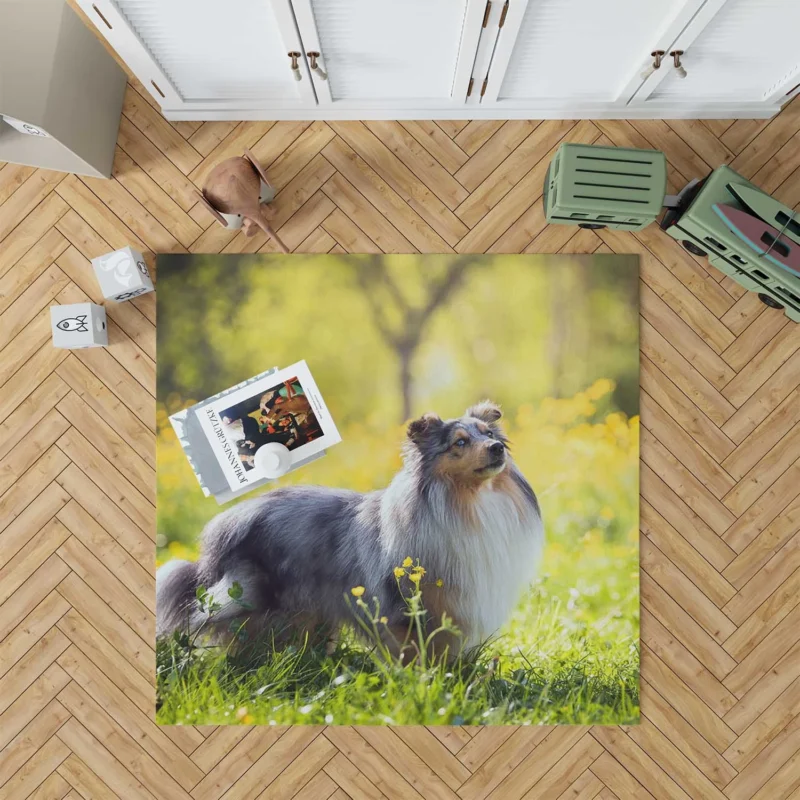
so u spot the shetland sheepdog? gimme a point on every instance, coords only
(459, 506)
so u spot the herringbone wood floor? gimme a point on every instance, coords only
(720, 470)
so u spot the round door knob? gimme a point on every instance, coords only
(657, 55)
(676, 60)
(295, 65)
(315, 68)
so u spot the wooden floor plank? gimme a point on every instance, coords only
(28, 709)
(156, 164)
(683, 411)
(690, 744)
(501, 180)
(26, 198)
(427, 222)
(40, 546)
(298, 154)
(676, 584)
(30, 266)
(158, 203)
(692, 635)
(426, 168)
(684, 556)
(38, 294)
(239, 756)
(759, 699)
(12, 176)
(36, 770)
(640, 765)
(136, 108)
(110, 480)
(711, 474)
(84, 782)
(89, 580)
(688, 704)
(107, 514)
(437, 143)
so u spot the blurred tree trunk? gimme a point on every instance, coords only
(405, 354)
(383, 293)
(569, 337)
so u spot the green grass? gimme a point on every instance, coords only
(569, 655)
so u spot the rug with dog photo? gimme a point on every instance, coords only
(462, 549)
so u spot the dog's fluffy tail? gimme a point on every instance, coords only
(176, 604)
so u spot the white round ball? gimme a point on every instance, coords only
(273, 460)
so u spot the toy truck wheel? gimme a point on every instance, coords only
(592, 226)
(693, 248)
(769, 301)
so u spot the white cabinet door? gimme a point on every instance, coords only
(577, 53)
(218, 55)
(390, 54)
(735, 51)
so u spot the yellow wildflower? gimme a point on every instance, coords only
(439, 582)
(419, 570)
(599, 388)
(399, 572)
(357, 591)
(248, 719)
(415, 576)
(407, 561)
(383, 620)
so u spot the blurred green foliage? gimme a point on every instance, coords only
(515, 328)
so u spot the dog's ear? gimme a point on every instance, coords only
(424, 427)
(487, 411)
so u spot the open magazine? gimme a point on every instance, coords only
(221, 435)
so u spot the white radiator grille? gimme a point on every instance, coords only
(389, 49)
(583, 49)
(214, 49)
(746, 49)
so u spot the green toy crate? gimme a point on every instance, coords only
(702, 232)
(605, 187)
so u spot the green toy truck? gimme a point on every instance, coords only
(599, 187)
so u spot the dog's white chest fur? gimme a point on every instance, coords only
(486, 563)
(497, 564)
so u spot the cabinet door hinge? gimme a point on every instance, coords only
(469, 88)
(486, 13)
(503, 15)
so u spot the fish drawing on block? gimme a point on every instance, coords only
(761, 237)
(120, 264)
(77, 324)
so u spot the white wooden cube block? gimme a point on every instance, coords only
(78, 325)
(122, 274)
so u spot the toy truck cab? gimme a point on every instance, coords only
(702, 231)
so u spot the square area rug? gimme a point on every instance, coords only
(454, 538)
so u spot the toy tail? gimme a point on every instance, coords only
(267, 228)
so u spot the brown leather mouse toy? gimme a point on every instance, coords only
(235, 195)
